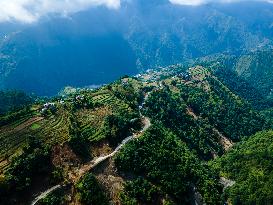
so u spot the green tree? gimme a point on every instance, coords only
(90, 191)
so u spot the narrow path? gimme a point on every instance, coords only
(44, 194)
(191, 113)
(75, 177)
(226, 182)
(224, 141)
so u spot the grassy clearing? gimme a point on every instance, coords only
(35, 126)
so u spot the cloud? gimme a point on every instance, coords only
(188, 2)
(200, 2)
(29, 11)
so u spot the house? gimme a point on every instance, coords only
(185, 76)
(79, 97)
(48, 106)
(125, 81)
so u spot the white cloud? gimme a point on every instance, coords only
(188, 2)
(29, 11)
(200, 2)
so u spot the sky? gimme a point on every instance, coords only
(29, 11)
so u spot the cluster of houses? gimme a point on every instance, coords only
(185, 76)
(150, 76)
(125, 81)
(80, 101)
(79, 97)
(157, 74)
(176, 71)
(48, 106)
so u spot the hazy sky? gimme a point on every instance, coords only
(28, 11)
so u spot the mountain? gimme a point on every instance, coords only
(248, 75)
(257, 68)
(99, 45)
(167, 136)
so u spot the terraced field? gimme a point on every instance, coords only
(91, 121)
(55, 128)
(13, 137)
(107, 98)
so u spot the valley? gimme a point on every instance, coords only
(98, 45)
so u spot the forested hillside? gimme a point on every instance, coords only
(174, 135)
(249, 163)
(13, 100)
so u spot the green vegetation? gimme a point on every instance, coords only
(77, 141)
(35, 126)
(55, 198)
(170, 109)
(79, 118)
(249, 75)
(81, 101)
(256, 68)
(167, 163)
(116, 128)
(139, 190)
(195, 116)
(243, 88)
(13, 117)
(224, 110)
(33, 162)
(90, 192)
(13, 101)
(128, 92)
(250, 163)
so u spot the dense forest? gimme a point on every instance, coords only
(13, 101)
(165, 167)
(249, 163)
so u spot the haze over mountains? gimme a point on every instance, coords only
(101, 44)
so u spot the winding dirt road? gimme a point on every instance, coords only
(44, 194)
(75, 177)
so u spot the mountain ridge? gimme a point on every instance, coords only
(143, 31)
